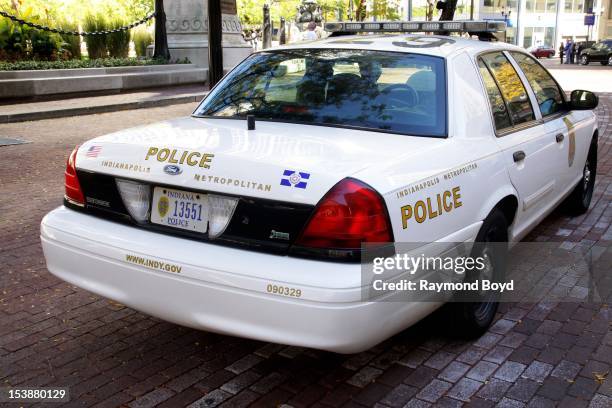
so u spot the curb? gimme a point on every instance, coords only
(90, 110)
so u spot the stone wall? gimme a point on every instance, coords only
(187, 28)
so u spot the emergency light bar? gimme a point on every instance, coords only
(471, 26)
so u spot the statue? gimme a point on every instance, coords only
(309, 11)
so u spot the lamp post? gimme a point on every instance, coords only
(161, 39)
(215, 36)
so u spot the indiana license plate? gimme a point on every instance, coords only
(180, 209)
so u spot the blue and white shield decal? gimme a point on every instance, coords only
(297, 179)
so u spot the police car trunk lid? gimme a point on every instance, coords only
(277, 161)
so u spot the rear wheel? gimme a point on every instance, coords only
(584, 60)
(472, 318)
(610, 60)
(579, 200)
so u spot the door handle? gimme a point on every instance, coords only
(560, 137)
(519, 156)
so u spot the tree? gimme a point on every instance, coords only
(448, 9)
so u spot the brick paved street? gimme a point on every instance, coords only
(54, 334)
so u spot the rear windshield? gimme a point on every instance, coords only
(375, 90)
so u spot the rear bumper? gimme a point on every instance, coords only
(221, 289)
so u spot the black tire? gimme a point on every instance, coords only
(604, 62)
(584, 59)
(469, 319)
(579, 200)
(610, 60)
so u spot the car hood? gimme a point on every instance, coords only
(286, 162)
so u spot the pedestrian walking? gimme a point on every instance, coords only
(575, 53)
(568, 52)
(561, 52)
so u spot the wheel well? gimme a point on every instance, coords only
(508, 205)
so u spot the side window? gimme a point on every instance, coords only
(498, 106)
(547, 92)
(511, 87)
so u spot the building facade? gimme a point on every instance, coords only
(534, 22)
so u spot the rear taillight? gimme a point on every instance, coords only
(350, 214)
(74, 194)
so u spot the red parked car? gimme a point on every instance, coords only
(542, 51)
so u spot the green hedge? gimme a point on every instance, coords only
(97, 63)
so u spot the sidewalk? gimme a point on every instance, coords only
(153, 97)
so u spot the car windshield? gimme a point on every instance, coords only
(374, 90)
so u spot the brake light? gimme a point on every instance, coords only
(73, 194)
(350, 214)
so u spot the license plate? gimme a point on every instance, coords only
(180, 209)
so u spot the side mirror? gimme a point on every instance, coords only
(583, 100)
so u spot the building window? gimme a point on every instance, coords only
(549, 36)
(578, 6)
(528, 37)
(568, 6)
(551, 6)
(540, 6)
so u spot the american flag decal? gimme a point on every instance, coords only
(93, 151)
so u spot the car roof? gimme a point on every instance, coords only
(402, 43)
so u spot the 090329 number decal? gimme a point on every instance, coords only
(283, 290)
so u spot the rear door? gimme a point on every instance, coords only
(529, 153)
(559, 123)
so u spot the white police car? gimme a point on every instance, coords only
(254, 227)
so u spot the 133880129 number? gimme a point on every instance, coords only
(283, 290)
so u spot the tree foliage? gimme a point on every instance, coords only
(77, 10)
(251, 11)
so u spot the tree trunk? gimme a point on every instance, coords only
(430, 9)
(215, 38)
(360, 14)
(267, 28)
(449, 11)
(161, 39)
